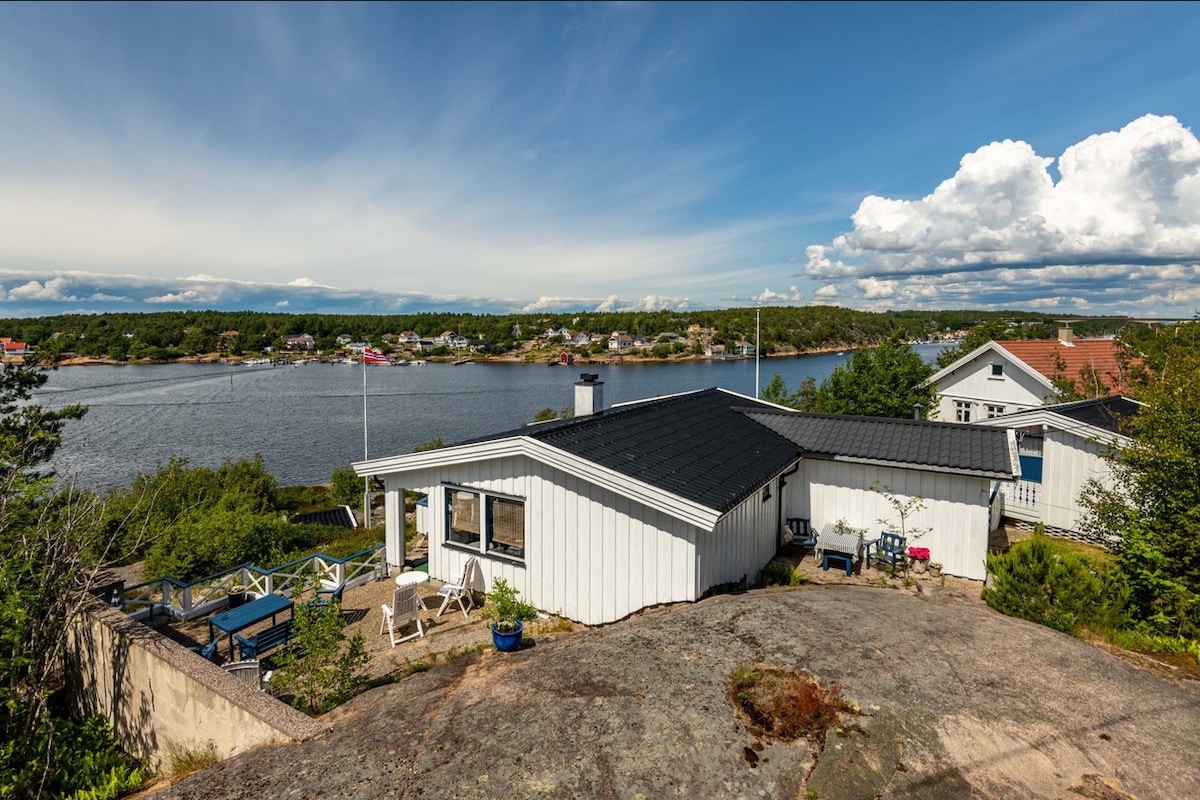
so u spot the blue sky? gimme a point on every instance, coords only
(561, 157)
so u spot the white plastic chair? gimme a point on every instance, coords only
(457, 590)
(405, 608)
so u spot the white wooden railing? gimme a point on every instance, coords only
(200, 597)
(1022, 499)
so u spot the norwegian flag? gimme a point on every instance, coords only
(373, 356)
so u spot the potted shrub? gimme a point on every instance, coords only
(507, 615)
(935, 569)
(918, 558)
(237, 595)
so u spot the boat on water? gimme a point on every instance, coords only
(463, 361)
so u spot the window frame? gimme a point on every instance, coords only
(994, 410)
(484, 544)
(962, 410)
(997, 371)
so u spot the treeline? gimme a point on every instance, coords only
(168, 335)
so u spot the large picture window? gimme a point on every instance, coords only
(489, 523)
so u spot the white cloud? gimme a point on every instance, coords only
(50, 290)
(1125, 213)
(792, 295)
(282, 304)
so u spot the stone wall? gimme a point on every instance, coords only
(159, 696)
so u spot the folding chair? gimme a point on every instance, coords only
(458, 589)
(405, 608)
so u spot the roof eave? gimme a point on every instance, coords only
(639, 491)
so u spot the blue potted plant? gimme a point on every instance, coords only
(507, 615)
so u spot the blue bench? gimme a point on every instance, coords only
(264, 640)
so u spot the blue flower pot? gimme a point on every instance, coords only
(508, 642)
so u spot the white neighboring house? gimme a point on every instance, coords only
(1008, 376)
(659, 501)
(1060, 448)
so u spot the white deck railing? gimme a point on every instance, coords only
(200, 597)
(1022, 500)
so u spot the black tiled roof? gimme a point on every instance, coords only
(694, 445)
(341, 517)
(1108, 413)
(717, 448)
(940, 445)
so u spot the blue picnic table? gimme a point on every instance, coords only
(238, 619)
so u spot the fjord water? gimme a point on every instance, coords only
(307, 420)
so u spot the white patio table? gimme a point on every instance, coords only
(412, 578)
(844, 544)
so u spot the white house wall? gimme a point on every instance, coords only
(742, 543)
(973, 382)
(956, 508)
(1069, 461)
(590, 554)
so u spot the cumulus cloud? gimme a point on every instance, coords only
(50, 290)
(1125, 212)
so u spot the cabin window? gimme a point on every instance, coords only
(488, 523)
(506, 527)
(997, 370)
(463, 525)
(994, 411)
(962, 411)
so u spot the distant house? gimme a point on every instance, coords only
(659, 501)
(300, 341)
(1061, 448)
(578, 339)
(746, 349)
(14, 349)
(425, 345)
(1002, 377)
(344, 339)
(620, 342)
(458, 342)
(479, 346)
(408, 337)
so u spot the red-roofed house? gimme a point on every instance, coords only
(1009, 376)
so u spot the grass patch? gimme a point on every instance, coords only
(183, 761)
(1153, 643)
(786, 705)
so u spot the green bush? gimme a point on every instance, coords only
(1046, 583)
(321, 666)
(68, 759)
(777, 573)
(347, 488)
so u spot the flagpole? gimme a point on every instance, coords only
(757, 382)
(366, 478)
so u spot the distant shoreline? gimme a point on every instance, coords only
(507, 358)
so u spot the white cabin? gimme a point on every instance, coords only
(659, 501)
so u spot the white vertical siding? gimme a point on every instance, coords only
(590, 554)
(1069, 462)
(956, 508)
(743, 541)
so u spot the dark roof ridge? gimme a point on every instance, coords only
(788, 412)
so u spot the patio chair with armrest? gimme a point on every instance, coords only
(406, 607)
(803, 536)
(458, 589)
(326, 597)
(889, 549)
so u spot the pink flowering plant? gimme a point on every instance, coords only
(919, 553)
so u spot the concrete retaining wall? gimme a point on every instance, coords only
(159, 696)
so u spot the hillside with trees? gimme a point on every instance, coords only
(173, 335)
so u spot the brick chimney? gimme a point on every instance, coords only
(589, 395)
(1066, 336)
